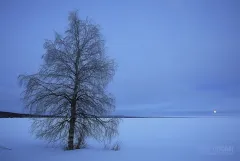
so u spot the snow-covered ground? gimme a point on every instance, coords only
(164, 139)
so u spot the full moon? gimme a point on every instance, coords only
(214, 111)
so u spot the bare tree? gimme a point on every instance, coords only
(71, 84)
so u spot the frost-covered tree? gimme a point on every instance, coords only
(71, 85)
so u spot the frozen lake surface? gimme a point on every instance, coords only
(153, 139)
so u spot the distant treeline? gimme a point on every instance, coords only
(21, 115)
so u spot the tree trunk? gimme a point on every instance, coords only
(74, 100)
(72, 127)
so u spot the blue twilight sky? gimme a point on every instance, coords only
(172, 54)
